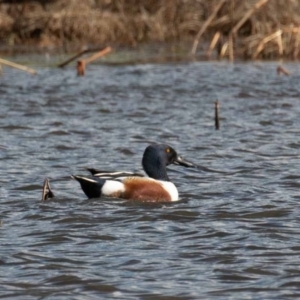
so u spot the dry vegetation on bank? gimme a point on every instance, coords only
(271, 31)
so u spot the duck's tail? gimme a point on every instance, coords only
(92, 187)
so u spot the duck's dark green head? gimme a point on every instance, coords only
(157, 157)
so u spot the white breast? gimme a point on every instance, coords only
(171, 189)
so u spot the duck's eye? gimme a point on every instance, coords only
(168, 150)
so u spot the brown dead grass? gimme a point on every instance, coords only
(71, 24)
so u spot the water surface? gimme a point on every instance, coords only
(233, 235)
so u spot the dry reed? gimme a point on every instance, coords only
(237, 28)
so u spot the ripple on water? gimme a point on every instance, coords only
(235, 231)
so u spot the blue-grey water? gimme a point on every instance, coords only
(235, 233)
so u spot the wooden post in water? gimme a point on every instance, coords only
(217, 121)
(80, 68)
(81, 64)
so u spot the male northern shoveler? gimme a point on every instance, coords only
(155, 188)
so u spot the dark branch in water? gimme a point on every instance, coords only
(217, 121)
(47, 193)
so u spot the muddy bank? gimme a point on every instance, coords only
(244, 29)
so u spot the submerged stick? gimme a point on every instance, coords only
(217, 121)
(205, 25)
(282, 70)
(47, 193)
(17, 66)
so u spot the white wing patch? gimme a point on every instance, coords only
(111, 187)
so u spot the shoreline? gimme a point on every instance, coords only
(143, 54)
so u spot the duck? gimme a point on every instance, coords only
(154, 186)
